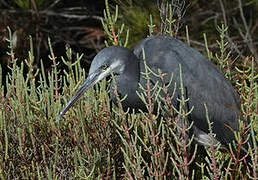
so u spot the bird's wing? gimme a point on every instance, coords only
(202, 81)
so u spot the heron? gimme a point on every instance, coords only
(203, 83)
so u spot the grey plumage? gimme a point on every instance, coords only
(202, 81)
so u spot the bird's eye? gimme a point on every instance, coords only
(104, 67)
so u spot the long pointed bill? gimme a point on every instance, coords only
(92, 79)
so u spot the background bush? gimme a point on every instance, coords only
(97, 140)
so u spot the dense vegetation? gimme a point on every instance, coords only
(97, 140)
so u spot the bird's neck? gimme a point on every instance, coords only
(129, 79)
(127, 83)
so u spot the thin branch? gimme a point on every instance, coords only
(5, 4)
(69, 15)
(223, 13)
(247, 37)
(53, 4)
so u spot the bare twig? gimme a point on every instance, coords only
(5, 3)
(247, 35)
(233, 45)
(223, 13)
(53, 4)
(69, 13)
(178, 9)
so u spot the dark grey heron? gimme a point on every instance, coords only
(201, 79)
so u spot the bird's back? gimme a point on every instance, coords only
(202, 81)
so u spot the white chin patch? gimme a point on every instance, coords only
(113, 66)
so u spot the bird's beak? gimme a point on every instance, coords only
(92, 79)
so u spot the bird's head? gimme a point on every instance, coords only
(109, 60)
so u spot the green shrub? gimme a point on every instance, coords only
(98, 141)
